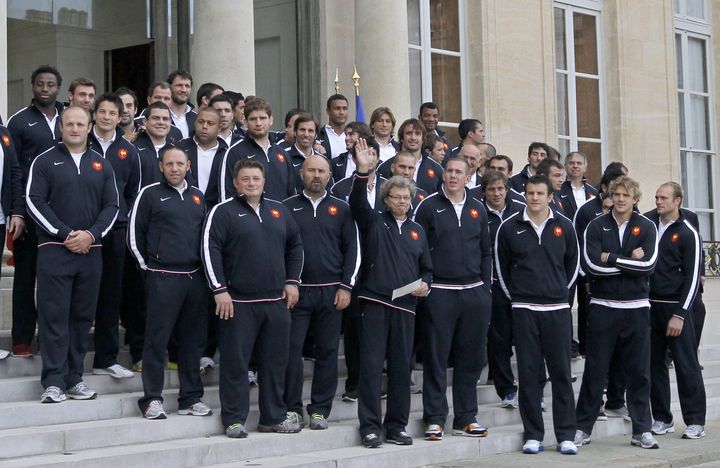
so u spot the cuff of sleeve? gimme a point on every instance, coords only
(346, 287)
(91, 235)
(63, 234)
(18, 216)
(292, 282)
(362, 175)
(612, 258)
(220, 290)
(681, 315)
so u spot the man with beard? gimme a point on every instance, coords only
(182, 113)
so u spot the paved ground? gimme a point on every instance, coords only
(617, 452)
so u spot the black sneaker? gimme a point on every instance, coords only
(372, 441)
(399, 438)
(350, 396)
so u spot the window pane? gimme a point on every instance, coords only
(585, 43)
(446, 86)
(701, 185)
(562, 105)
(683, 175)
(560, 59)
(707, 225)
(444, 25)
(676, 3)
(700, 128)
(588, 107)
(681, 119)
(679, 60)
(594, 170)
(413, 14)
(697, 65)
(695, 8)
(415, 79)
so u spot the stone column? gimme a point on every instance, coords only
(223, 49)
(381, 56)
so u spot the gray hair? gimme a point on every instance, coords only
(398, 182)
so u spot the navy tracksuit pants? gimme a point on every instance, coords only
(691, 388)
(385, 332)
(174, 302)
(67, 293)
(314, 311)
(24, 312)
(500, 343)
(542, 338)
(107, 316)
(623, 331)
(268, 325)
(455, 322)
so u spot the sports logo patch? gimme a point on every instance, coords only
(281, 157)
(122, 154)
(558, 231)
(675, 237)
(332, 209)
(97, 165)
(474, 213)
(430, 173)
(6, 140)
(635, 231)
(196, 199)
(275, 213)
(414, 235)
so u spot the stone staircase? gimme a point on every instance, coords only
(110, 432)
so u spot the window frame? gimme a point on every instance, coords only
(426, 51)
(591, 8)
(697, 30)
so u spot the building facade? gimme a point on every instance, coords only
(622, 80)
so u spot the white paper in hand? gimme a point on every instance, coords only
(407, 289)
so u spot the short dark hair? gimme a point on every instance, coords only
(46, 69)
(292, 113)
(205, 91)
(490, 177)
(502, 157)
(81, 82)
(415, 124)
(157, 84)
(305, 117)
(247, 164)
(157, 105)
(179, 74)
(613, 170)
(544, 166)
(125, 91)
(466, 126)
(428, 105)
(335, 97)
(113, 98)
(235, 97)
(359, 127)
(170, 147)
(553, 153)
(538, 145)
(430, 141)
(540, 180)
(221, 98)
(257, 104)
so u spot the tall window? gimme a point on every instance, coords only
(579, 84)
(698, 154)
(436, 47)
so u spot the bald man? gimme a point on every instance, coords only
(474, 158)
(330, 242)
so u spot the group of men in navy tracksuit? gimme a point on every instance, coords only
(283, 254)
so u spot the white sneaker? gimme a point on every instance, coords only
(198, 409)
(53, 394)
(4, 354)
(252, 378)
(532, 447)
(81, 392)
(662, 428)
(115, 371)
(693, 431)
(567, 447)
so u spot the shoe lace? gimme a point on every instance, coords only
(81, 387)
(155, 405)
(292, 417)
(317, 416)
(232, 427)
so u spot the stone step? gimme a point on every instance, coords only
(338, 446)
